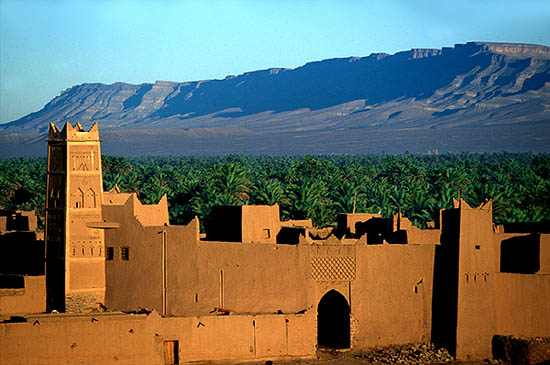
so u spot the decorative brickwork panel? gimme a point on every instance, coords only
(333, 268)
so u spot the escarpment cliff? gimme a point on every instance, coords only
(430, 97)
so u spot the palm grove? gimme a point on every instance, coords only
(316, 187)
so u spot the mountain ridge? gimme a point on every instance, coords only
(466, 86)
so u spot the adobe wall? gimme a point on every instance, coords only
(544, 254)
(136, 282)
(393, 282)
(243, 277)
(242, 337)
(150, 214)
(132, 339)
(30, 299)
(416, 235)
(522, 307)
(392, 295)
(476, 318)
(296, 223)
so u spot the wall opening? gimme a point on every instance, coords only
(79, 198)
(333, 321)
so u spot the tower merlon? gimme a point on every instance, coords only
(76, 133)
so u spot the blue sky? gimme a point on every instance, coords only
(49, 46)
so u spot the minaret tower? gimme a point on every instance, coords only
(75, 261)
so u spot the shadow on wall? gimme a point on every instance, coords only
(379, 230)
(445, 283)
(521, 254)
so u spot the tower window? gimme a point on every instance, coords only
(92, 251)
(125, 253)
(110, 253)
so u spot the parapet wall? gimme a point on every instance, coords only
(30, 299)
(149, 339)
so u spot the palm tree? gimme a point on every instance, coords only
(231, 183)
(308, 199)
(270, 192)
(347, 195)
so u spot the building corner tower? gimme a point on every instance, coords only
(75, 261)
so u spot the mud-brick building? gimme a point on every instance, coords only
(22, 280)
(254, 287)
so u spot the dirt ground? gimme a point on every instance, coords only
(415, 354)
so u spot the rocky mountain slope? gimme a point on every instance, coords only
(472, 97)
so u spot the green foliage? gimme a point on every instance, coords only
(313, 187)
(23, 185)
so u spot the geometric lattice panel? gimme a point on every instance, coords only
(333, 268)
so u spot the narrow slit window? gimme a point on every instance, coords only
(125, 253)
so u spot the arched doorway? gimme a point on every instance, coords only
(333, 321)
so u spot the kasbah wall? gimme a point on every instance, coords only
(125, 286)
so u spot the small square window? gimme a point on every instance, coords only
(125, 253)
(477, 247)
(110, 253)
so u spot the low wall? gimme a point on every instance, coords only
(522, 304)
(30, 299)
(108, 338)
